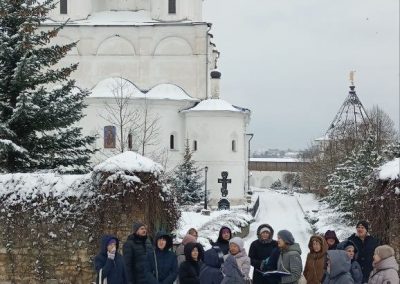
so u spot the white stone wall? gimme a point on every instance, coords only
(185, 9)
(264, 179)
(214, 132)
(170, 122)
(145, 55)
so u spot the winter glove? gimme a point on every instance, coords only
(262, 265)
(111, 255)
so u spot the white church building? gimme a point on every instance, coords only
(153, 61)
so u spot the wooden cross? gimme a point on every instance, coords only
(224, 181)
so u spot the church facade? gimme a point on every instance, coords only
(150, 66)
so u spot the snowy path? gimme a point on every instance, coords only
(281, 211)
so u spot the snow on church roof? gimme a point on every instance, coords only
(111, 87)
(128, 161)
(390, 170)
(215, 105)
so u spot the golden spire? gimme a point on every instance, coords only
(352, 77)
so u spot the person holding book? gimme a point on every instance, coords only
(260, 251)
(289, 259)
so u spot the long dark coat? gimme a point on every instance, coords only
(135, 255)
(162, 264)
(259, 252)
(365, 253)
(113, 269)
(189, 270)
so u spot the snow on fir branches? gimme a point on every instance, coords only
(187, 180)
(348, 183)
(39, 104)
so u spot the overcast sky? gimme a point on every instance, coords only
(289, 60)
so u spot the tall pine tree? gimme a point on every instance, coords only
(39, 104)
(348, 184)
(187, 180)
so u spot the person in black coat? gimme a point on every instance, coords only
(365, 245)
(163, 263)
(260, 250)
(210, 272)
(189, 271)
(225, 234)
(135, 254)
(110, 261)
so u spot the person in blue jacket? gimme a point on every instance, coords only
(110, 261)
(163, 263)
(210, 272)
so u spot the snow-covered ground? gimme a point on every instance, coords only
(288, 211)
(281, 211)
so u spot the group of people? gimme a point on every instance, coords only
(358, 259)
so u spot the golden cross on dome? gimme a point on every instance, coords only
(352, 77)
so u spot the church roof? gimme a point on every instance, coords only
(216, 105)
(111, 87)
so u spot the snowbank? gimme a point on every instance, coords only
(322, 217)
(276, 160)
(390, 170)
(18, 188)
(208, 226)
(130, 162)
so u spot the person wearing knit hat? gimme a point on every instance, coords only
(109, 262)
(260, 251)
(331, 239)
(289, 259)
(236, 268)
(385, 265)
(286, 236)
(135, 252)
(365, 244)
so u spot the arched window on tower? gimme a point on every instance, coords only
(171, 6)
(233, 145)
(195, 145)
(172, 142)
(63, 7)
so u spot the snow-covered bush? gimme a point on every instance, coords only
(50, 224)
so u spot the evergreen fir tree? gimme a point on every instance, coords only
(39, 104)
(187, 180)
(348, 183)
(391, 151)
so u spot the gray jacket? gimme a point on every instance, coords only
(385, 272)
(356, 272)
(340, 266)
(290, 261)
(236, 269)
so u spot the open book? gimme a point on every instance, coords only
(274, 272)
